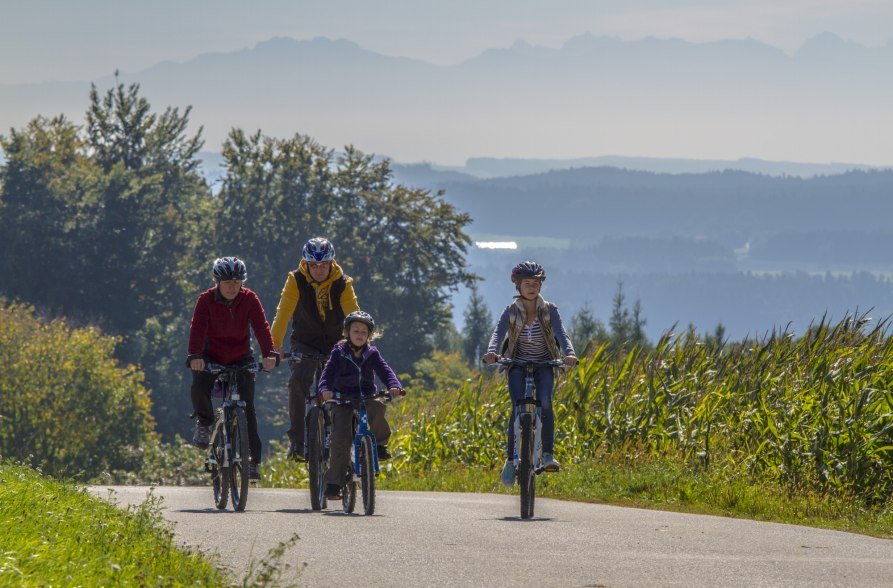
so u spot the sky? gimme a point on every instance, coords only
(61, 40)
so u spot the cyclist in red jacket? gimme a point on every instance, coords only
(220, 333)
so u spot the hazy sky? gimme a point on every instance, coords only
(64, 40)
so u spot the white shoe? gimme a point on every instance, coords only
(549, 463)
(508, 474)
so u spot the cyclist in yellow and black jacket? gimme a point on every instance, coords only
(316, 298)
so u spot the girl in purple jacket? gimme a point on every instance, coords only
(351, 371)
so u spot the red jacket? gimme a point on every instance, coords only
(220, 331)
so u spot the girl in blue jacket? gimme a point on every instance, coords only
(351, 370)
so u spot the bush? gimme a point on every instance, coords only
(66, 404)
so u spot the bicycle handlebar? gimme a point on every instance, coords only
(339, 397)
(216, 368)
(298, 357)
(526, 362)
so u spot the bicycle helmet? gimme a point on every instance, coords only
(230, 268)
(528, 269)
(318, 249)
(362, 317)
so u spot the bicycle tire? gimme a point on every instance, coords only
(349, 492)
(526, 474)
(219, 471)
(367, 474)
(316, 461)
(239, 456)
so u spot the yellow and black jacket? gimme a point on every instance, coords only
(316, 309)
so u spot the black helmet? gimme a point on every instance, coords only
(230, 268)
(528, 269)
(362, 317)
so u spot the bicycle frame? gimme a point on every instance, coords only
(231, 398)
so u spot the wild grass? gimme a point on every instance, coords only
(55, 534)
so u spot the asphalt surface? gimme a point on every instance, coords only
(450, 539)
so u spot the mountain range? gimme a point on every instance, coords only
(668, 98)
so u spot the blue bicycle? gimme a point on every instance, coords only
(363, 465)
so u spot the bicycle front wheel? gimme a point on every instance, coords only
(239, 456)
(367, 474)
(316, 459)
(526, 473)
(218, 466)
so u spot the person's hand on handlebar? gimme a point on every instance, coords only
(570, 360)
(326, 395)
(490, 357)
(395, 392)
(269, 362)
(197, 365)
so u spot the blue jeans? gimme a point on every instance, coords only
(543, 379)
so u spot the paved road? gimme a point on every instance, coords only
(440, 539)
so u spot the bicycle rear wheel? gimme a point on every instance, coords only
(218, 466)
(367, 474)
(239, 455)
(316, 459)
(526, 473)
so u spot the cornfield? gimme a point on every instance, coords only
(814, 412)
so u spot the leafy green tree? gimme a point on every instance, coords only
(478, 326)
(66, 404)
(404, 247)
(627, 328)
(585, 327)
(102, 225)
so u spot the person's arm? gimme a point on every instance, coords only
(198, 330)
(327, 378)
(288, 301)
(499, 334)
(348, 300)
(261, 327)
(384, 372)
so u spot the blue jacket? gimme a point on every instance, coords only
(512, 320)
(350, 375)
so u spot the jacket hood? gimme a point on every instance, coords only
(335, 273)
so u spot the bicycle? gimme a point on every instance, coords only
(528, 450)
(228, 453)
(317, 431)
(363, 464)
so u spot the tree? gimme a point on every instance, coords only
(478, 326)
(404, 247)
(637, 325)
(619, 321)
(586, 327)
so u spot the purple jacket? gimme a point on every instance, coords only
(349, 375)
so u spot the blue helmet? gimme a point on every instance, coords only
(230, 268)
(318, 249)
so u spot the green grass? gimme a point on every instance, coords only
(55, 534)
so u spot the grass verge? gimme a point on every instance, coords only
(55, 534)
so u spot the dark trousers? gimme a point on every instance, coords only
(299, 388)
(342, 436)
(202, 383)
(543, 379)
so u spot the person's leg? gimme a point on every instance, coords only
(246, 392)
(298, 388)
(544, 379)
(202, 382)
(516, 392)
(339, 449)
(375, 412)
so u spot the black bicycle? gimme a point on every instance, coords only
(228, 453)
(528, 450)
(362, 467)
(317, 431)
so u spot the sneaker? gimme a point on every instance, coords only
(253, 471)
(202, 436)
(383, 452)
(549, 463)
(333, 491)
(296, 452)
(508, 474)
